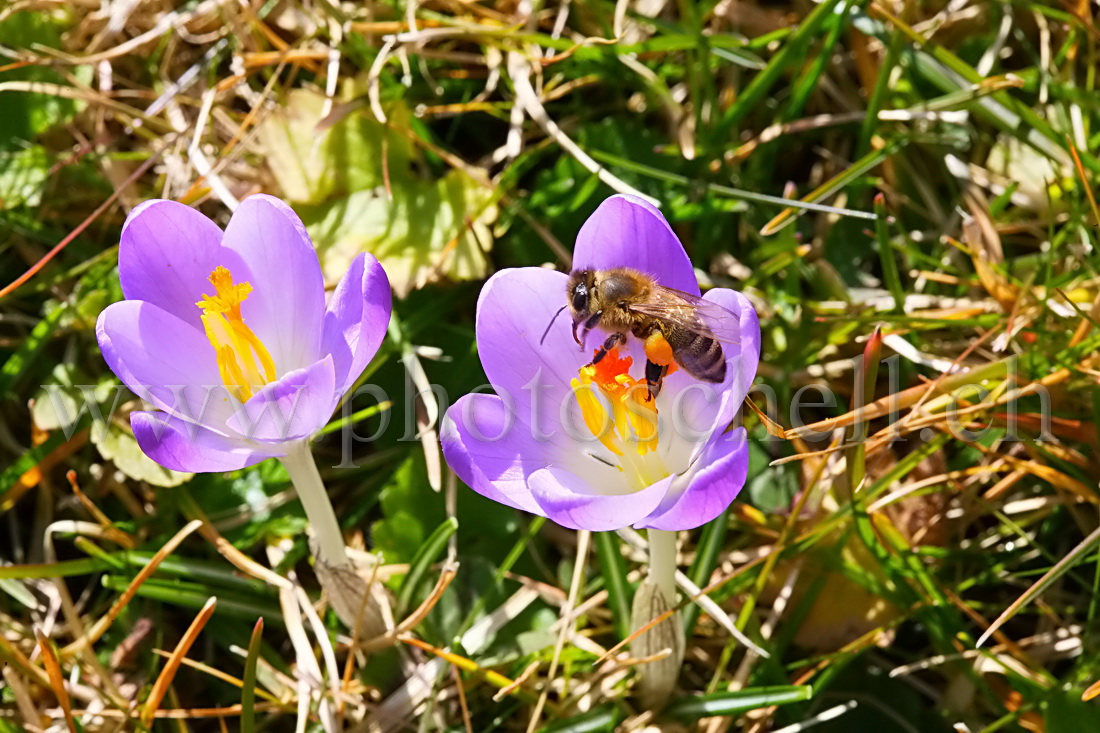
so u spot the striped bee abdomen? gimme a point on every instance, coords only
(700, 356)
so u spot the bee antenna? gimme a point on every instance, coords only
(551, 323)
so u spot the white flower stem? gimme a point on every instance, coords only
(662, 562)
(655, 597)
(307, 482)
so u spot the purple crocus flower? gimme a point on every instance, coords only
(538, 445)
(227, 334)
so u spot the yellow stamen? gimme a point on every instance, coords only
(244, 363)
(633, 415)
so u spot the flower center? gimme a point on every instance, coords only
(629, 429)
(243, 360)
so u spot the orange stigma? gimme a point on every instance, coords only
(609, 371)
(633, 415)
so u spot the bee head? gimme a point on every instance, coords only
(580, 294)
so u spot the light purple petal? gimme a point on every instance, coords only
(626, 231)
(749, 358)
(357, 317)
(514, 309)
(184, 446)
(705, 407)
(740, 367)
(291, 408)
(287, 304)
(164, 360)
(568, 500)
(714, 481)
(166, 253)
(486, 449)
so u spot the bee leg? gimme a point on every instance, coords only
(588, 326)
(654, 377)
(609, 343)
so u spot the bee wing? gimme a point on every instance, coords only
(693, 313)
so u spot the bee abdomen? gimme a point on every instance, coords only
(700, 356)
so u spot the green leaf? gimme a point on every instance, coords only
(18, 593)
(193, 596)
(793, 51)
(63, 569)
(313, 162)
(707, 554)
(357, 185)
(23, 175)
(410, 508)
(428, 230)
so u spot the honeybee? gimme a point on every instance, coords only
(673, 325)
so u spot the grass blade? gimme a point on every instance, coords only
(57, 679)
(886, 254)
(425, 556)
(831, 186)
(613, 570)
(804, 87)
(603, 718)
(1083, 548)
(792, 52)
(732, 703)
(32, 345)
(1029, 121)
(248, 691)
(729, 191)
(104, 623)
(164, 679)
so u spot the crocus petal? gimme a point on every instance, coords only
(702, 494)
(166, 253)
(291, 408)
(514, 309)
(287, 304)
(486, 449)
(184, 446)
(571, 502)
(702, 407)
(749, 357)
(740, 367)
(357, 317)
(626, 231)
(163, 359)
